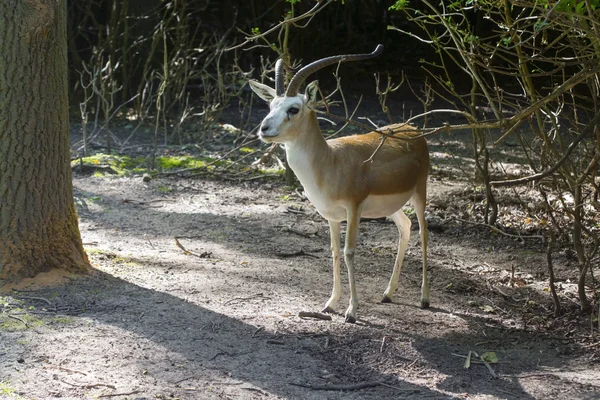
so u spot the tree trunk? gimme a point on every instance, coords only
(38, 220)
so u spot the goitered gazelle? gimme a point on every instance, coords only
(340, 180)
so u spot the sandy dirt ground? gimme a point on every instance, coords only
(220, 319)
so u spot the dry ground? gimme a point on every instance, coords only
(220, 322)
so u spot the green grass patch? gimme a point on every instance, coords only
(114, 257)
(272, 171)
(125, 261)
(181, 162)
(11, 324)
(126, 165)
(164, 189)
(93, 251)
(5, 301)
(62, 320)
(7, 390)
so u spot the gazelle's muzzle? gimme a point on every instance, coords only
(266, 131)
(269, 128)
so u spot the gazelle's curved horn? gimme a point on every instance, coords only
(313, 67)
(279, 74)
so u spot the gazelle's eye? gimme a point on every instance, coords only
(293, 110)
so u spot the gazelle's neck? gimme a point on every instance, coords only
(308, 149)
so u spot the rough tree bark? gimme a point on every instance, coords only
(38, 220)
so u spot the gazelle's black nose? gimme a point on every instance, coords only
(264, 127)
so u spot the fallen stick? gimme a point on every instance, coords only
(295, 254)
(532, 375)
(487, 365)
(346, 387)
(500, 231)
(474, 361)
(316, 315)
(184, 379)
(294, 211)
(89, 385)
(240, 299)
(120, 394)
(259, 329)
(36, 298)
(206, 254)
(48, 366)
(382, 344)
(18, 319)
(303, 234)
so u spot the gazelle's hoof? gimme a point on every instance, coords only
(328, 310)
(424, 304)
(386, 299)
(350, 319)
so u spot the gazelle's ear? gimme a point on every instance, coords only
(312, 90)
(263, 91)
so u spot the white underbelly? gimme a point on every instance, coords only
(384, 205)
(372, 207)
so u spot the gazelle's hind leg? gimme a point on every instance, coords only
(419, 202)
(403, 224)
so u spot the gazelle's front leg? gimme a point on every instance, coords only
(419, 203)
(334, 230)
(353, 218)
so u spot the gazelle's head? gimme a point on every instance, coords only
(291, 111)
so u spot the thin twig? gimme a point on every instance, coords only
(184, 379)
(240, 299)
(398, 389)
(533, 375)
(382, 344)
(215, 161)
(499, 230)
(37, 298)
(120, 394)
(220, 353)
(47, 366)
(309, 13)
(18, 319)
(206, 254)
(425, 132)
(89, 385)
(299, 253)
(259, 329)
(589, 129)
(487, 365)
(472, 360)
(346, 387)
(379, 146)
(468, 360)
(303, 234)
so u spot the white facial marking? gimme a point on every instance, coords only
(281, 117)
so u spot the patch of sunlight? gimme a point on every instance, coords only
(247, 150)
(272, 171)
(7, 390)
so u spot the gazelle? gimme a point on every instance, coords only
(340, 180)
